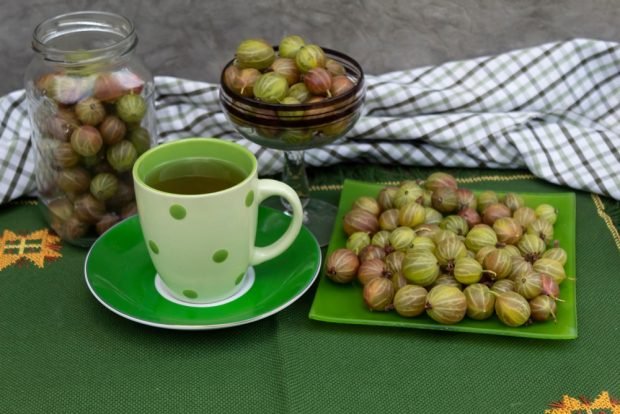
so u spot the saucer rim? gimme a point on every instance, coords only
(203, 327)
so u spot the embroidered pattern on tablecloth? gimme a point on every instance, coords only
(37, 247)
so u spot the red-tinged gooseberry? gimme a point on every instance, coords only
(112, 130)
(86, 140)
(342, 265)
(287, 68)
(543, 308)
(108, 88)
(106, 221)
(65, 156)
(494, 211)
(444, 199)
(88, 209)
(340, 85)
(318, 81)
(334, 67)
(372, 269)
(360, 220)
(378, 294)
(439, 180)
(508, 230)
(74, 180)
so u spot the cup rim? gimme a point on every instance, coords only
(187, 141)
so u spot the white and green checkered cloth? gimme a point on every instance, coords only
(553, 109)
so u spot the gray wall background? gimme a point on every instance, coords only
(193, 39)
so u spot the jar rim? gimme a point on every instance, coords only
(82, 21)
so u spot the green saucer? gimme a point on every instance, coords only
(120, 275)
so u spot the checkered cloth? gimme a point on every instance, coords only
(553, 109)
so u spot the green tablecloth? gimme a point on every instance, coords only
(62, 352)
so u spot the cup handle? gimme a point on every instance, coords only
(267, 188)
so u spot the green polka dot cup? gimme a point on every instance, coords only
(198, 204)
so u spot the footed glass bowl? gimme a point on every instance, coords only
(294, 128)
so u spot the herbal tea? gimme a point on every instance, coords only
(195, 176)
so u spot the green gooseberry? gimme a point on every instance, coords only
(90, 111)
(530, 285)
(467, 270)
(455, 224)
(512, 309)
(432, 216)
(485, 199)
(254, 53)
(480, 301)
(550, 267)
(271, 87)
(503, 285)
(290, 115)
(131, 108)
(446, 304)
(547, 212)
(513, 201)
(357, 241)
(310, 57)
(479, 236)
(290, 45)
(411, 215)
(410, 300)
(408, 192)
(103, 186)
(122, 156)
(449, 250)
(140, 138)
(299, 91)
(297, 136)
(420, 267)
(402, 238)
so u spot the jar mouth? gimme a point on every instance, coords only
(84, 37)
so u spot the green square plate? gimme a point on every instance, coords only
(344, 304)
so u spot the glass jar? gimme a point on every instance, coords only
(91, 108)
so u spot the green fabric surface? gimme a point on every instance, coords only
(63, 352)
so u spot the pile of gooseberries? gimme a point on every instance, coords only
(436, 248)
(90, 132)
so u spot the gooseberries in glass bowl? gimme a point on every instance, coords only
(305, 97)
